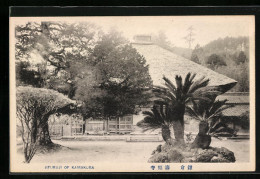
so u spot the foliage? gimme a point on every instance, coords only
(244, 120)
(33, 107)
(54, 45)
(211, 113)
(177, 96)
(241, 58)
(196, 53)
(97, 68)
(105, 45)
(229, 44)
(156, 118)
(234, 52)
(215, 61)
(120, 79)
(46, 99)
(240, 73)
(25, 75)
(182, 92)
(161, 40)
(206, 112)
(89, 92)
(195, 58)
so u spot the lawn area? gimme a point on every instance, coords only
(121, 151)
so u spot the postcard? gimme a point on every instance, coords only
(132, 94)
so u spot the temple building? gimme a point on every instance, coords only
(166, 63)
(163, 62)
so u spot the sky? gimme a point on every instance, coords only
(206, 28)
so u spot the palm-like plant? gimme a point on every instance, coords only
(158, 117)
(209, 115)
(178, 95)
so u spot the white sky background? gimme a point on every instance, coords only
(206, 28)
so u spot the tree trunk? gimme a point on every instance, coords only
(84, 127)
(45, 138)
(202, 140)
(178, 123)
(34, 131)
(178, 130)
(166, 134)
(26, 158)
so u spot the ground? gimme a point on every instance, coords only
(121, 151)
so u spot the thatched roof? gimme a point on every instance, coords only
(163, 62)
(237, 110)
(243, 100)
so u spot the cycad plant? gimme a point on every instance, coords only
(179, 94)
(209, 115)
(158, 118)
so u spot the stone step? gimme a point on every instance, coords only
(144, 139)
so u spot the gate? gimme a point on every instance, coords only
(95, 127)
(56, 130)
(76, 129)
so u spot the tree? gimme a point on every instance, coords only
(158, 118)
(209, 115)
(33, 108)
(195, 58)
(107, 43)
(215, 61)
(241, 58)
(178, 95)
(25, 75)
(161, 40)
(57, 45)
(120, 79)
(189, 38)
(196, 54)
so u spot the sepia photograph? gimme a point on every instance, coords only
(132, 94)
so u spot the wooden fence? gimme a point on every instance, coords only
(95, 126)
(66, 130)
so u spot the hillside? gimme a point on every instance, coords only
(228, 56)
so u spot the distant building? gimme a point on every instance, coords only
(237, 116)
(142, 39)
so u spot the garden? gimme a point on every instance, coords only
(81, 72)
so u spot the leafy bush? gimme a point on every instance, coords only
(215, 60)
(241, 58)
(240, 73)
(33, 108)
(244, 120)
(195, 58)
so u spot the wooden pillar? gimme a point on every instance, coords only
(118, 130)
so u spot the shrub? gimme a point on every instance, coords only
(33, 108)
(241, 58)
(215, 60)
